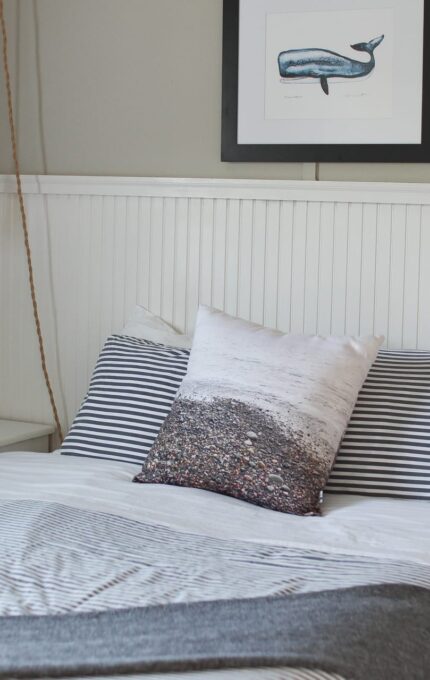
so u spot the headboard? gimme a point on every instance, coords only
(312, 257)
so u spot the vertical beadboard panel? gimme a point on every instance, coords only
(65, 246)
(424, 281)
(156, 255)
(297, 264)
(62, 217)
(95, 291)
(6, 329)
(313, 238)
(368, 263)
(168, 274)
(258, 264)
(383, 271)
(218, 253)
(181, 264)
(131, 252)
(397, 276)
(298, 267)
(354, 269)
(19, 360)
(271, 265)
(104, 263)
(206, 248)
(232, 257)
(15, 280)
(340, 260)
(143, 249)
(412, 277)
(193, 260)
(245, 258)
(285, 255)
(82, 349)
(326, 250)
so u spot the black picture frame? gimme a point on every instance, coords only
(231, 151)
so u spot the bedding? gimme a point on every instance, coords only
(361, 626)
(131, 392)
(144, 325)
(78, 537)
(386, 447)
(385, 450)
(260, 414)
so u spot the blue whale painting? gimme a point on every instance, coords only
(324, 64)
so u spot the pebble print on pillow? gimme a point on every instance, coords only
(260, 415)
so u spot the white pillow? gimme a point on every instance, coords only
(260, 414)
(144, 325)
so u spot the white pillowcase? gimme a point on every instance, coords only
(312, 377)
(144, 325)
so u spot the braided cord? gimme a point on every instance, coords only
(25, 224)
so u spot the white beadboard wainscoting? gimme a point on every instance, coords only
(305, 257)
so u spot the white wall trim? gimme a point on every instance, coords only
(303, 257)
(267, 190)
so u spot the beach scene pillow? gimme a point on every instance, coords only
(260, 414)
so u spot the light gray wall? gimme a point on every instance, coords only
(132, 87)
(10, 9)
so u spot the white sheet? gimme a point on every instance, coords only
(397, 528)
(348, 525)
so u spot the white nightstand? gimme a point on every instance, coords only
(16, 435)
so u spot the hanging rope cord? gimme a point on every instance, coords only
(25, 224)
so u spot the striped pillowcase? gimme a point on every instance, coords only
(386, 447)
(131, 392)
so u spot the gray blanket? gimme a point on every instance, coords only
(362, 633)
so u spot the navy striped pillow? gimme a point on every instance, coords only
(131, 392)
(386, 447)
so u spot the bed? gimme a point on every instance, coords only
(78, 537)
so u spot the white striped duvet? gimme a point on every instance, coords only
(78, 536)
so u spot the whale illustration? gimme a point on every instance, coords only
(324, 64)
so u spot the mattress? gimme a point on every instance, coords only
(79, 536)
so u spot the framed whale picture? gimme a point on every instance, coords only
(326, 80)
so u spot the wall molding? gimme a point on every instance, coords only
(268, 190)
(303, 257)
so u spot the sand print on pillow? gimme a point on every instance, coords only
(260, 414)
